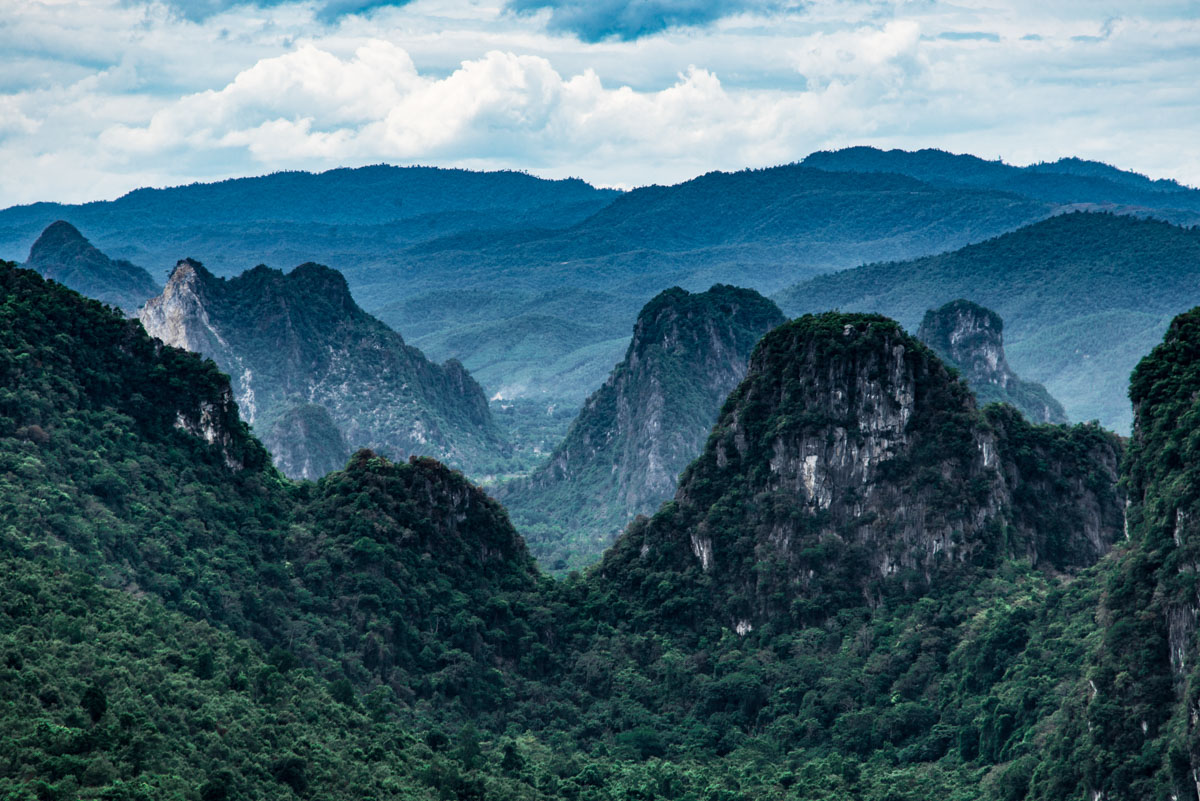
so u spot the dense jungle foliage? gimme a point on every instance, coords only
(178, 621)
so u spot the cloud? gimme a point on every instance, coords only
(596, 20)
(310, 106)
(101, 96)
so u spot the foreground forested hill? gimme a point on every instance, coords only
(177, 620)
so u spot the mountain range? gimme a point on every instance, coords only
(865, 586)
(488, 268)
(314, 372)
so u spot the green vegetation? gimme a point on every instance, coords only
(62, 254)
(1083, 296)
(179, 621)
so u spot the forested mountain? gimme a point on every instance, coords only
(1066, 181)
(636, 433)
(63, 254)
(291, 341)
(848, 431)
(864, 588)
(1083, 297)
(129, 485)
(970, 339)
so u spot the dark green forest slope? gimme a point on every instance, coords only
(1083, 297)
(63, 254)
(635, 434)
(177, 620)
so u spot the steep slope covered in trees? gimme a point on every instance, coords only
(637, 432)
(62, 253)
(970, 338)
(291, 341)
(1083, 297)
(1132, 730)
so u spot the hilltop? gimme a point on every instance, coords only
(623, 453)
(64, 255)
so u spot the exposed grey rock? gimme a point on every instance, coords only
(850, 465)
(297, 340)
(970, 338)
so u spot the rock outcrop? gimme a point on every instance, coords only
(298, 340)
(1141, 695)
(63, 254)
(970, 338)
(850, 465)
(624, 452)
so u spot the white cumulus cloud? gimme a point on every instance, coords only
(101, 96)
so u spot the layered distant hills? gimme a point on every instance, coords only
(1066, 181)
(491, 268)
(1082, 296)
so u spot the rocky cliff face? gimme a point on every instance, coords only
(848, 466)
(1136, 723)
(970, 338)
(624, 452)
(64, 255)
(299, 339)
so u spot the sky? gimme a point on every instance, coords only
(98, 97)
